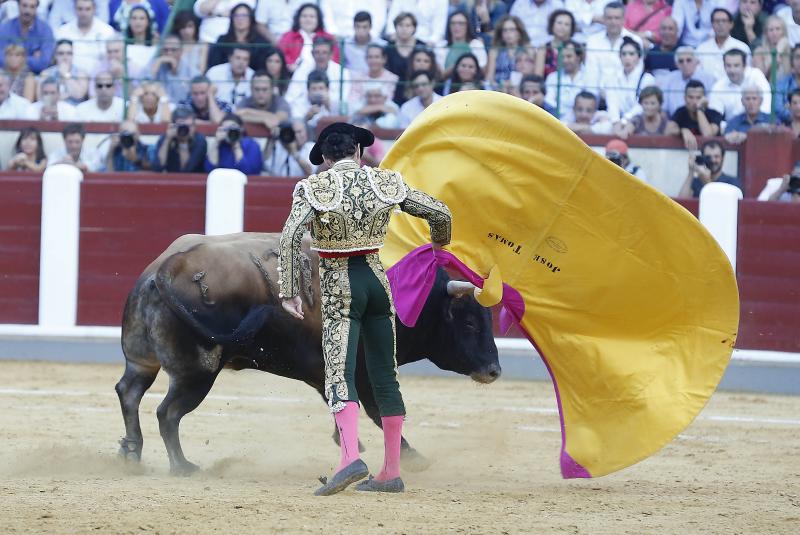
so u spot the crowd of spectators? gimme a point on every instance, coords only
(645, 67)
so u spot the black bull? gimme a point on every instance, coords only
(211, 302)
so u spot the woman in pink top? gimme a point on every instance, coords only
(642, 17)
(296, 43)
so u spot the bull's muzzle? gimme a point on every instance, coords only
(488, 375)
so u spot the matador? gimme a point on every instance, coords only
(348, 208)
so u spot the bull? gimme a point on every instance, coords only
(211, 302)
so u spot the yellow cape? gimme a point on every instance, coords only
(630, 301)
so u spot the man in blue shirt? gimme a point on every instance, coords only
(232, 150)
(32, 33)
(739, 125)
(787, 84)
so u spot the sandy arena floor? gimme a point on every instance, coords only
(263, 440)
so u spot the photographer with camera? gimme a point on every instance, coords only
(789, 190)
(287, 150)
(706, 167)
(231, 149)
(180, 149)
(126, 152)
(617, 153)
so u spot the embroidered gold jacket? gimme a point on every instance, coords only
(349, 210)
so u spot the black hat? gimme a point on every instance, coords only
(362, 136)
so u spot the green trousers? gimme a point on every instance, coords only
(357, 303)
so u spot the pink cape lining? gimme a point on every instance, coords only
(411, 280)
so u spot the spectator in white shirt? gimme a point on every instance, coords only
(339, 79)
(74, 152)
(12, 106)
(355, 46)
(588, 16)
(104, 107)
(232, 79)
(535, 14)
(587, 118)
(622, 91)
(63, 11)
(431, 18)
(422, 85)
(275, 17)
(287, 150)
(791, 15)
(726, 95)
(376, 108)
(694, 21)
(50, 107)
(88, 35)
(339, 15)
(575, 78)
(602, 48)
(710, 51)
(142, 45)
(215, 17)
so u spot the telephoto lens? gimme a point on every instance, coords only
(183, 130)
(286, 132)
(234, 134)
(126, 140)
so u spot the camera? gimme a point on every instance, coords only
(615, 158)
(126, 139)
(286, 133)
(705, 161)
(794, 184)
(315, 100)
(234, 134)
(183, 130)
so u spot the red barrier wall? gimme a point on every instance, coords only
(266, 203)
(20, 230)
(126, 222)
(768, 270)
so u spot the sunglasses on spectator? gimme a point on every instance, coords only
(64, 53)
(628, 53)
(104, 86)
(686, 60)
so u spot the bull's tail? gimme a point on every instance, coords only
(206, 319)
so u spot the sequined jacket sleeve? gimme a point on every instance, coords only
(300, 214)
(420, 204)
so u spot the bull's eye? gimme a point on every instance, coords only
(471, 325)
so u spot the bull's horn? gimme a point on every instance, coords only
(460, 288)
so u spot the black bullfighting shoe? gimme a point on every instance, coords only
(343, 478)
(373, 485)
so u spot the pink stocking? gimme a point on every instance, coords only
(347, 423)
(392, 432)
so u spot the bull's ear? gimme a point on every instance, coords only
(460, 288)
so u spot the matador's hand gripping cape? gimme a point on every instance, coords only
(628, 299)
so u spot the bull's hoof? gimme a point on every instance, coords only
(183, 469)
(413, 461)
(130, 450)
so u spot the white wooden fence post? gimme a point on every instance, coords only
(225, 201)
(58, 258)
(719, 213)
